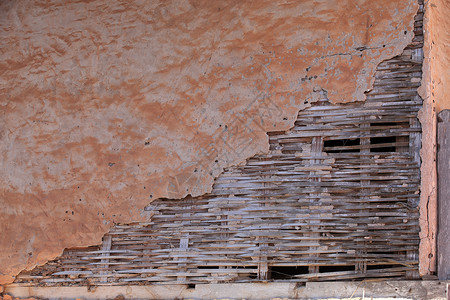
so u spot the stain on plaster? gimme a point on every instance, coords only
(106, 106)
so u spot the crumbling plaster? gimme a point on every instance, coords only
(107, 105)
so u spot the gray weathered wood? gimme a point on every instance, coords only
(443, 162)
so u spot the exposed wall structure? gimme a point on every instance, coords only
(107, 106)
(334, 199)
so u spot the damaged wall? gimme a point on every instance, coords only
(108, 106)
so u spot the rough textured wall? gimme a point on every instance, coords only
(439, 55)
(107, 105)
(436, 94)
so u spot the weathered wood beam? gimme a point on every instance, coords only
(443, 162)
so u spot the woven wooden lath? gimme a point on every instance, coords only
(334, 199)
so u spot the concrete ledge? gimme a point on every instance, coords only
(273, 290)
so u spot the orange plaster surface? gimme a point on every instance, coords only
(435, 91)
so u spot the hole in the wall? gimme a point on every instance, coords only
(278, 273)
(388, 143)
(380, 267)
(327, 269)
(341, 146)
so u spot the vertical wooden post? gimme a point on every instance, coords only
(361, 254)
(106, 247)
(415, 140)
(443, 167)
(184, 242)
(225, 225)
(263, 266)
(316, 150)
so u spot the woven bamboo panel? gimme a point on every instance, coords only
(334, 199)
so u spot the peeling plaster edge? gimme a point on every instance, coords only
(358, 96)
(428, 178)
